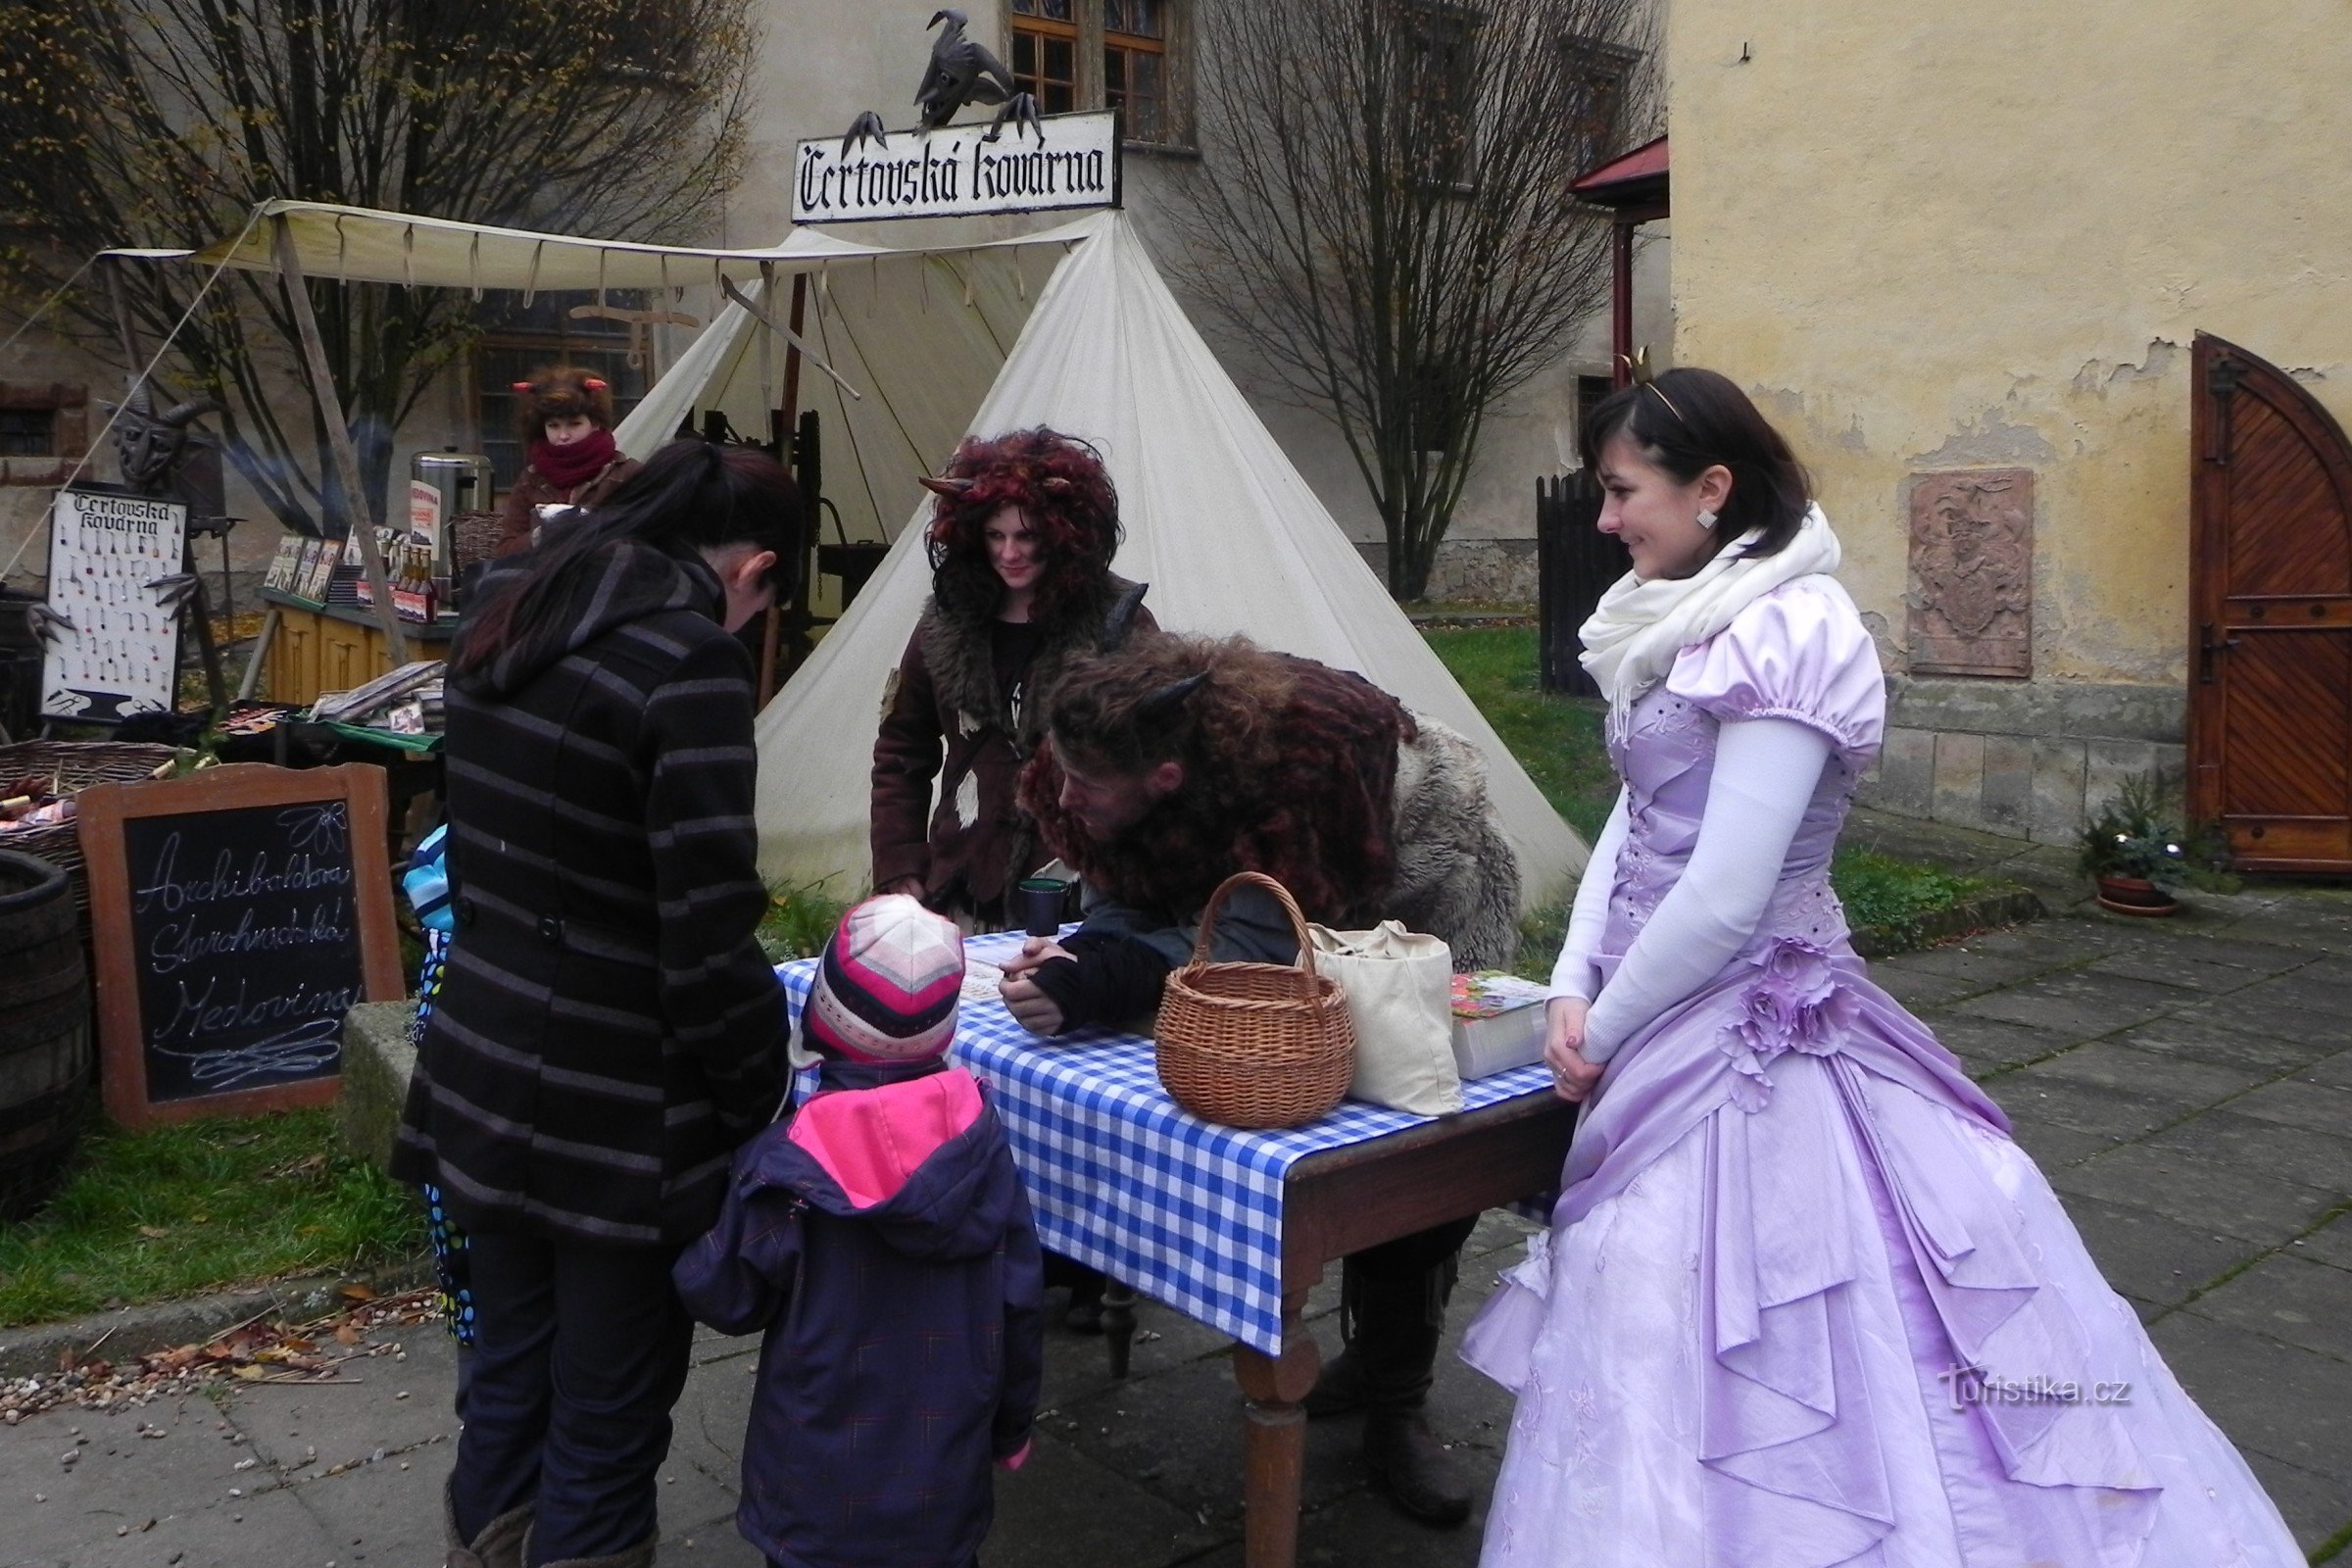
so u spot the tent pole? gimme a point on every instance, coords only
(338, 438)
(780, 427)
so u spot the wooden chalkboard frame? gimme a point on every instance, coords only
(102, 811)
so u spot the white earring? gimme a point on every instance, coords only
(1706, 519)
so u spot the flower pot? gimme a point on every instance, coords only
(2132, 895)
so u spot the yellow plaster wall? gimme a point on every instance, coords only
(1980, 235)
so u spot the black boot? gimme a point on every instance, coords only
(1391, 1359)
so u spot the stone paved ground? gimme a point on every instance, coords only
(2186, 1084)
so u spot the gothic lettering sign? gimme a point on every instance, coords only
(114, 650)
(959, 172)
(236, 914)
(1971, 572)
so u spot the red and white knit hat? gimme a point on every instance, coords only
(888, 985)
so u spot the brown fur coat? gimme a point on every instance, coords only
(949, 754)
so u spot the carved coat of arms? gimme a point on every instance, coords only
(1971, 572)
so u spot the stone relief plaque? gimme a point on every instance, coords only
(1971, 572)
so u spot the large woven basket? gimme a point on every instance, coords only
(75, 765)
(1254, 1045)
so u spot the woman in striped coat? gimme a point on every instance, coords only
(607, 1031)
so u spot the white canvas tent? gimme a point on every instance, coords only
(1218, 522)
(921, 344)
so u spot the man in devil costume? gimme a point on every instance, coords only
(1176, 762)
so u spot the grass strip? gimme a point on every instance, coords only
(176, 1211)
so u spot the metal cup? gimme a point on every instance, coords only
(1042, 901)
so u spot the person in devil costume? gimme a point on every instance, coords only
(1021, 539)
(564, 420)
(1176, 762)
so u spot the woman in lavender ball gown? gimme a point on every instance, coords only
(1804, 1300)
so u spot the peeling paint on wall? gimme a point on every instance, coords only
(1989, 441)
(2164, 358)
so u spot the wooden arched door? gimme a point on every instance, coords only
(2270, 696)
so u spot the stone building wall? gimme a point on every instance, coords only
(1959, 256)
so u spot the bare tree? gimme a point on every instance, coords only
(163, 122)
(1382, 213)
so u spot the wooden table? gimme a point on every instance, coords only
(1340, 1202)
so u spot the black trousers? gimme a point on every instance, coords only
(579, 1351)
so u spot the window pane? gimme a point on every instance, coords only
(1143, 19)
(1043, 63)
(500, 364)
(28, 432)
(1115, 76)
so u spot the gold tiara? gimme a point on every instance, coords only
(1638, 372)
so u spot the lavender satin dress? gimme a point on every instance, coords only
(1804, 1300)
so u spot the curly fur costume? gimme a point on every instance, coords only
(1065, 496)
(1310, 774)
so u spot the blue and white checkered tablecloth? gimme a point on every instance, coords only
(1123, 1179)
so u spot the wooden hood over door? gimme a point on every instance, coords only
(2270, 697)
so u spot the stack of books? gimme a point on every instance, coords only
(1497, 1023)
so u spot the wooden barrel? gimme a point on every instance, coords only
(44, 1032)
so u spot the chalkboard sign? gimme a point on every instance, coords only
(236, 914)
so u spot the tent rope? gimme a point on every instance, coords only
(55, 294)
(140, 380)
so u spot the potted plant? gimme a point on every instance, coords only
(2135, 849)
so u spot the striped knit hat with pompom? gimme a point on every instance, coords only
(887, 987)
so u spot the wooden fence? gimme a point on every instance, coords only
(1575, 563)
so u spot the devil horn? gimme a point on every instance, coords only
(596, 384)
(1121, 620)
(952, 489)
(1170, 699)
(1058, 484)
(524, 386)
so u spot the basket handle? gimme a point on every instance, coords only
(1282, 896)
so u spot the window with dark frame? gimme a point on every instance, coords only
(44, 427)
(27, 433)
(1049, 43)
(1045, 52)
(1442, 43)
(517, 339)
(1134, 65)
(1600, 71)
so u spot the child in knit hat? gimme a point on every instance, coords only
(881, 1238)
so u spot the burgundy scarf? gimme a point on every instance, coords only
(570, 467)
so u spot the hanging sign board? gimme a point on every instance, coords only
(117, 652)
(236, 914)
(959, 172)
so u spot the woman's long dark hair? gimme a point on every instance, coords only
(1685, 422)
(690, 496)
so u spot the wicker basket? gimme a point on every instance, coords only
(75, 765)
(1254, 1045)
(473, 536)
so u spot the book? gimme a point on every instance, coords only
(1497, 1023)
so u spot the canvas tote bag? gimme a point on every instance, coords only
(1399, 989)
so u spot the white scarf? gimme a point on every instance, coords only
(1638, 626)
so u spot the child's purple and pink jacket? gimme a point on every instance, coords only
(882, 1239)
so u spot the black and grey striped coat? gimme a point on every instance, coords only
(607, 1031)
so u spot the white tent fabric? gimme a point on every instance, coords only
(1218, 522)
(364, 245)
(1069, 327)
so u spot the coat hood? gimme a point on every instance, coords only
(614, 584)
(911, 1156)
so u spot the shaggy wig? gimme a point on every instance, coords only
(1290, 768)
(1063, 490)
(561, 392)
